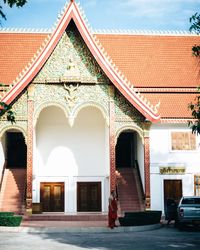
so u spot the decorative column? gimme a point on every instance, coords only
(112, 138)
(147, 126)
(29, 171)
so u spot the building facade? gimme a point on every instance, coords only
(79, 119)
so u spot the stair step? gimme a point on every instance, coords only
(128, 197)
(13, 187)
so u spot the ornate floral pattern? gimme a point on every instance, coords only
(125, 111)
(71, 61)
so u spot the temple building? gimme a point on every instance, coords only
(96, 111)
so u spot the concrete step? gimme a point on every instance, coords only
(56, 217)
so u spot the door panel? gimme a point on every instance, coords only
(173, 189)
(52, 196)
(89, 196)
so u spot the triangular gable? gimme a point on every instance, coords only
(121, 83)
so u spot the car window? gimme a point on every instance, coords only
(191, 201)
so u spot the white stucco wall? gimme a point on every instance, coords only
(162, 155)
(140, 158)
(70, 154)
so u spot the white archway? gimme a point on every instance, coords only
(132, 127)
(91, 104)
(44, 105)
(71, 154)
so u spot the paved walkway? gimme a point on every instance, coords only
(73, 226)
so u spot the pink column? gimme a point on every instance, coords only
(29, 150)
(112, 140)
(147, 171)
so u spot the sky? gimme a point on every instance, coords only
(150, 15)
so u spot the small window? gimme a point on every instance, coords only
(197, 185)
(183, 141)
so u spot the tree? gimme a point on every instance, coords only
(195, 109)
(5, 108)
(195, 27)
(11, 3)
(195, 106)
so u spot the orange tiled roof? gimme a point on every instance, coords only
(16, 50)
(154, 60)
(146, 60)
(173, 105)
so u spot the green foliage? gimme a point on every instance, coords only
(195, 27)
(195, 22)
(10, 221)
(6, 214)
(18, 3)
(7, 109)
(11, 3)
(194, 107)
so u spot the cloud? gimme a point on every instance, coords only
(160, 11)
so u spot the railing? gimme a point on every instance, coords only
(2, 173)
(140, 179)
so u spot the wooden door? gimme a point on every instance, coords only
(89, 196)
(52, 196)
(173, 190)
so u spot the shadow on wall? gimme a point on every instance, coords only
(79, 148)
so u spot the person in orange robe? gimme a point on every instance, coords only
(112, 210)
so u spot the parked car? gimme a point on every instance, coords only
(188, 211)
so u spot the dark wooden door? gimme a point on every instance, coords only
(173, 190)
(52, 196)
(89, 196)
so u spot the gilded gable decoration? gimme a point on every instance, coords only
(71, 61)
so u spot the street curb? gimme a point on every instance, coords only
(79, 229)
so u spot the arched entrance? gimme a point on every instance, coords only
(13, 179)
(16, 150)
(130, 170)
(126, 150)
